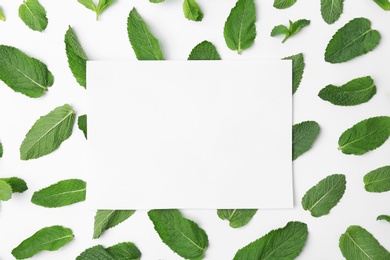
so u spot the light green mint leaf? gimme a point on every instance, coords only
(204, 51)
(88, 4)
(298, 63)
(192, 10)
(355, 92)
(325, 195)
(33, 15)
(48, 238)
(365, 136)
(294, 28)
(121, 251)
(383, 217)
(240, 28)
(284, 243)
(352, 40)
(99, 9)
(384, 4)
(48, 132)
(17, 185)
(304, 135)
(77, 59)
(82, 123)
(62, 193)
(378, 180)
(236, 217)
(145, 45)
(106, 219)
(5, 191)
(96, 252)
(1, 150)
(331, 10)
(181, 235)
(24, 74)
(283, 4)
(156, 1)
(2, 16)
(358, 243)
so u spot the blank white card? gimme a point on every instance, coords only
(189, 134)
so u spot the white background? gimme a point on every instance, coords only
(107, 40)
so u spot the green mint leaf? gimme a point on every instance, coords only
(102, 6)
(62, 193)
(106, 219)
(48, 132)
(236, 217)
(82, 124)
(384, 4)
(378, 180)
(125, 250)
(88, 4)
(97, 252)
(298, 64)
(22, 73)
(1, 150)
(5, 191)
(304, 135)
(352, 40)
(48, 238)
(77, 59)
(2, 16)
(365, 136)
(156, 1)
(192, 10)
(240, 28)
(283, 4)
(294, 28)
(17, 185)
(355, 92)
(181, 235)
(331, 10)
(284, 243)
(325, 195)
(204, 51)
(145, 45)
(358, 243)
(33, 15)
(384, 217)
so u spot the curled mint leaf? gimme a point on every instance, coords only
(384, 4)
(204, 51)
(293, 29)
(17, 185)
(283, 4)
(236, 217)
(82, 124)
(106, 219)
(331, 10)
(99, 8)
(192, 10)
(298, 64)
(5, 191)
(378, 180)
(33, 15)
(304, 135)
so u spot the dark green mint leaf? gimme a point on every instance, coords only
(298, 63)
(204, 51)
(33, 15)
(5, 191)
(331, 10)
(192, 10)
(17, 184)
(106, 219)
(283, 4)
(126, 250)
(384, 4)
(236, 217)
(383, 217)
(294, 28)
(378, 180)
(304, 135)
(95, 253)
(1, 150)
(82, 123)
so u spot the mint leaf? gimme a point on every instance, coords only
(354, 92)
(77, 59)
(236, 217)
(1, 150)
(48, 238)
(365, 136)
(33, 15)
(24, 74)
(181, 235)
(294, 28)
(156, 1)
(5, 191)
(2, 16)
(383, 217)
(95, 252)
(106, 219)
(240, 28)
(121, 251)
(298, 64)
(145, 45)
(204, 51)
(62, 193)
(82, 124)
(48, 132)
(358, 243)
(304, 135)
(378, 180)
(283, 243)
(99, 9)
(384, 4)
(17, 184)
(352, 40)
(283, 4)
(192, 10)
(331, 10)
(325, 195)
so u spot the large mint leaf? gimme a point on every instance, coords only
(358, 243)
(236, 217)
(17, 185)
(378, 180)
(180, 234)
(352, 40)
(331, 10)
(298, 64)
(33, 15)
(304, 135)
(5, 191)
(192, 10)
(204, 51)
(384, 4)
(365, 136)
(105, 219)
(48, 238)
(48, 132)
(24, 74)
(240, 28)
(283, 244)
(283, 4)
(145, 45)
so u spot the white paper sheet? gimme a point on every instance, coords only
(181, 134)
